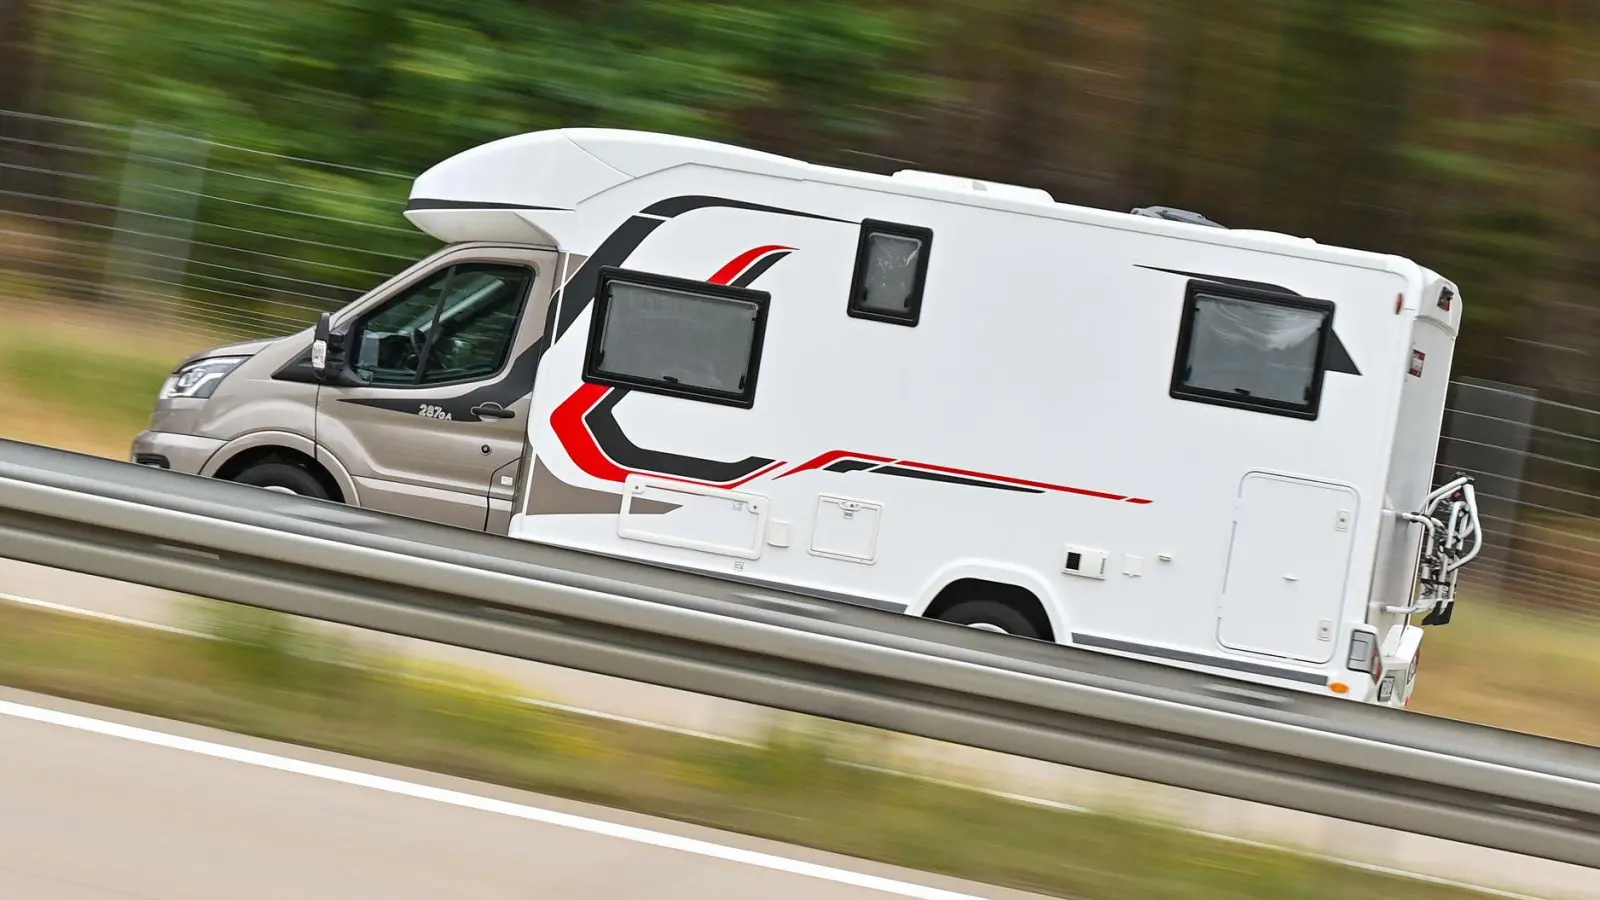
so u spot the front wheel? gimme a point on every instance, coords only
(285, 478)
(991, 615)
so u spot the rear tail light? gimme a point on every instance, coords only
(1364, 655)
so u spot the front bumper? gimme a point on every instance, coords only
(178, 452)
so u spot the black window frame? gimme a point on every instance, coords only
(1180, 390)
(870, 227)
(609, 275)
(358, 325)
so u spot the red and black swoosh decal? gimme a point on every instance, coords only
(595, 442)
(849, 461)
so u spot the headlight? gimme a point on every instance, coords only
(199, 379)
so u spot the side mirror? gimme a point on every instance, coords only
(319, 346)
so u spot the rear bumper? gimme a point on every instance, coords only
(1400, 655)
(178, 452)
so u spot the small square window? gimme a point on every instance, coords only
(676, 336)
(1252, 349)
(891, 270)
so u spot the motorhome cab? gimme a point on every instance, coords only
(1144, 434)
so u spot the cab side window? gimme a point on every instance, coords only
(456, 325)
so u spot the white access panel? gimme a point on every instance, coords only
(846, 529)
(1287, 567)
(708, 519)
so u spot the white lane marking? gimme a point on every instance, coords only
(91, 614)
(482, 804)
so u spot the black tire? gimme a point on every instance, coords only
(284, 476)
(991, 614)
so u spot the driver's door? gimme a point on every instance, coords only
(446, 363)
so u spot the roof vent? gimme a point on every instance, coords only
(973, 185)
(1176, 215)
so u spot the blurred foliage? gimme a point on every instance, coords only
(804, 784)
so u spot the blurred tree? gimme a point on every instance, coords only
(385, 88)
(20, 181)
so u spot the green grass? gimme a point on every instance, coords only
(83, 378)
(267, 679)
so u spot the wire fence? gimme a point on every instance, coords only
(216, 241)
(1535, 463)
(211, 238)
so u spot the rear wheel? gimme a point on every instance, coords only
(990, 615)
(285, 478)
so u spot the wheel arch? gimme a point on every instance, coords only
(244, 451)
(966, 579)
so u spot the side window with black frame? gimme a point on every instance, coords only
(891, 272)
(676, 336)
(457, 325)
(1252, 349)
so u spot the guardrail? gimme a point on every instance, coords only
(1480, 785)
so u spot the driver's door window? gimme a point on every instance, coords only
(457, 325)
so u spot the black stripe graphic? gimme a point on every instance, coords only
(849, 465)
(762, 265)
(613, 251)
(677, 206)
(926, 475)
(425, 203)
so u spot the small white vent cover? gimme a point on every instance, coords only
(1084, 561)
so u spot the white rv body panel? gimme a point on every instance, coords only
(1027, 415)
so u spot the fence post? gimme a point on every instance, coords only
(148, 255)
(1486, 433)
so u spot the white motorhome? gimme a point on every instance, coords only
(1144, 434)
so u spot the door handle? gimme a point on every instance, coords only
(492, 411)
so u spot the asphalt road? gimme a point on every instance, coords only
(97, 804)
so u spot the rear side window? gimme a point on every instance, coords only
(1252, 349)
(677, 337)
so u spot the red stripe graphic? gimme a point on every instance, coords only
(583, 450)
(741, 262)
(833, 456)
(580, 445)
